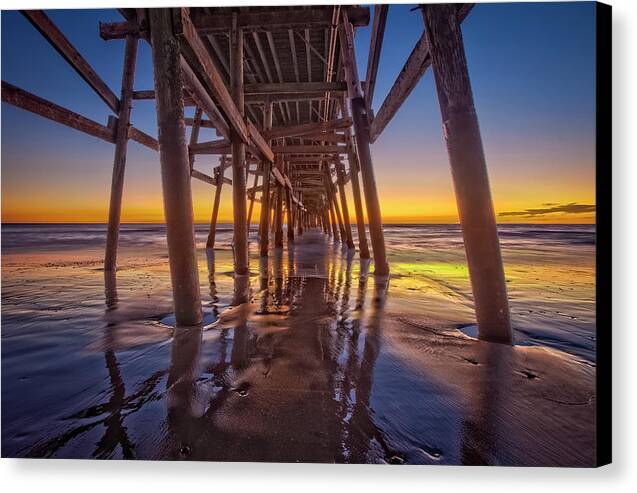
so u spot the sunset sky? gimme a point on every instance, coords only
(532, 68)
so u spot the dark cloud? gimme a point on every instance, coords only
(572, 208)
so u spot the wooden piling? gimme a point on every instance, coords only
(340, 176)
(354, 168)
(119, 162)
(361, 129)
(469, 171)
(252, 196)
(264, 223)
(290, 217)
(175, 169)
(241, 266)
(278, 217)
(335, 230)
(212, 233)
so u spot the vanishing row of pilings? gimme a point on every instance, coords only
(166, 30)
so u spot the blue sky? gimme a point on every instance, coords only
(532, 67)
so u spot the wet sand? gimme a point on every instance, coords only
(309, 359)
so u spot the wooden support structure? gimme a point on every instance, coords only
(212, 232)
(175, 170)
(121, 145)
(241, 266)
(354, 167)
(375, 45)
(361, 128)
(278, 207)
(308, 129)
(252, 195)
(40, 106)
(294, 87)
(341, 189)
(331, 194)
(264, 223)
(469, 171)
(290, 216)
(64, 47)
(415, 67)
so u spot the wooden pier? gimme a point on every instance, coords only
(280, 86)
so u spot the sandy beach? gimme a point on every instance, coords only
(308, 359)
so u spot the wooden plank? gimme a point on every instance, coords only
(40, 106)
(285, 97)
(221, 146)
(203, 99)
(260, 143)
(333, 138)
(279, 176)
(307, 128)
(415, 67)
(64, 47)
(143, 138)
(186, 30)
(294, 87)
(275, 19)
(118, 30)
(203, 177)
(375, 46)
(309, 149)
(203, 123)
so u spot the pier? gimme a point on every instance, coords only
(294, 126)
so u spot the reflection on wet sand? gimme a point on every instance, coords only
(305, 361)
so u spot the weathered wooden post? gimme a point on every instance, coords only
(337, 210)
(335, 230)
(290, 218)
(278, 217)
(264, 223)
(361, 128)
(175, 169)
(469, 171)
(252, 196)
(340, 176)
(352, 157)
(119, 162)
(212, 233)
(238, 156)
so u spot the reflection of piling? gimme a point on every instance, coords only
(175, 169)
(469, 170)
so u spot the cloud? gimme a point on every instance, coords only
(571, 208)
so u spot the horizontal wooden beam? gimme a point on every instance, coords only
(284, 97)
(294, 87)
(143, 138)
(310, 149)
(307, 128)
(221, 146)
(417, 64)
(276, 18)
(40, 106)
(64, 47)
(118, 30)
(203, 177)
(260, 143)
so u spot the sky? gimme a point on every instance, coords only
(532, 69)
